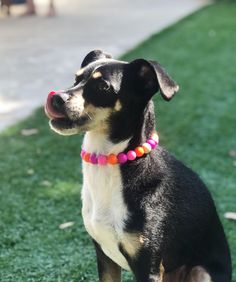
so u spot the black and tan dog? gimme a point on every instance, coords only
(149, 214)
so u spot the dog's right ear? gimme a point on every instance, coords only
(94, 56)
(151, 78)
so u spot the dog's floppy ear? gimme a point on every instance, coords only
(94, 56)
(152, 77)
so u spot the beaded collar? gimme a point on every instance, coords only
(121, 158)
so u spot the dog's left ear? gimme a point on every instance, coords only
(94, 56)
(152, 77)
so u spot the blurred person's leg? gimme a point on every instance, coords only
(5, 6)
(30, 8)
(51, 9)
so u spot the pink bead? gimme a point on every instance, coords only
(152, 143)
(93, 158)
(82, 153)
(122, 158)
(154, 140)
(147, 148)
(131, 155)
(102, 160)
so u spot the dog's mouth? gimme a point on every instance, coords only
(59, 120)
(50, 111)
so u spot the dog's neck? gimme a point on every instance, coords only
(144, 127)
(100, 142)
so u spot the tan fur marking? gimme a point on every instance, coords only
(80, 72)
(118, 106)
(131, 243)
(142, 239)
(162, 271)
(98, 117)
(97, 74)
(199, 274)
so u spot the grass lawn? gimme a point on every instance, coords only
(41, 174)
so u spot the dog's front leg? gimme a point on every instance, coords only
(108, 270)
(146, 265)
(142, 276)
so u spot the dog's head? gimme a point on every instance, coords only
(105, 89)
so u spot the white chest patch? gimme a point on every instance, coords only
(104, 211)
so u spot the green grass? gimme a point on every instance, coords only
(198, 126)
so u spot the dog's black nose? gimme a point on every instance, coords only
(58, 101)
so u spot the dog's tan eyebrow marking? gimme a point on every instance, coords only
(118, 106)
(97, 74)
(80, 72)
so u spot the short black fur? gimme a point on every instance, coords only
(168, 203)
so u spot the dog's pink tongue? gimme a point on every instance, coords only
(48, 108)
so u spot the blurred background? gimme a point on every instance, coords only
(40, 53)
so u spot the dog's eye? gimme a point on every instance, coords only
(103, 85)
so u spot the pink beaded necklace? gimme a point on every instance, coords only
(121, 158)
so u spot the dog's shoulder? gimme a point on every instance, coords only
(161, 167)
(161, 184)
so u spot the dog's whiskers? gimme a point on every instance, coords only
(88, 115)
